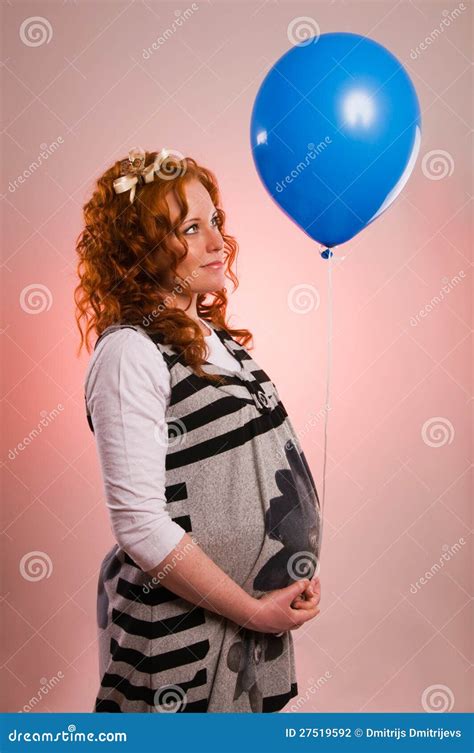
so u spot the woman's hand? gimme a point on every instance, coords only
(274, 612)
(310, 597)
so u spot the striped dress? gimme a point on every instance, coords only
(238, 482)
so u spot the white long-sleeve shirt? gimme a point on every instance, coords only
(127, 389)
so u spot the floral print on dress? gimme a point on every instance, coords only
(293, 518)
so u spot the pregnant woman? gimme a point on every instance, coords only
(211, 501)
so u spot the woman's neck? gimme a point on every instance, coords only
(192, 312)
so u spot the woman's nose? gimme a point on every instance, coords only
(214, 240)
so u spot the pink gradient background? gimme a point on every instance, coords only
(392, 501)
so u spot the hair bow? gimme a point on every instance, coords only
(134, 172)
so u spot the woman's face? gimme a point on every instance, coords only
(205, 242)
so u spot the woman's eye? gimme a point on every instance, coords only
(216, 219)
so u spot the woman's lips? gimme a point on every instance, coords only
(214, 265)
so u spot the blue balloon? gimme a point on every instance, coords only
(335, 133)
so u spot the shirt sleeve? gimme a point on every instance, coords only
(127, 387)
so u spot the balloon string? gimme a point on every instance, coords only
(327, 406)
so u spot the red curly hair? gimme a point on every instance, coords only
(125, 263)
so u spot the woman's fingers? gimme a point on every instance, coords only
(305, 604)
(305, 601)
(314, 588)
(304, 616)
(308, 599)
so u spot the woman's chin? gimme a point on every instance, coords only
(213, 282)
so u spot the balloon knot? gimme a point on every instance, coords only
(326, 253)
